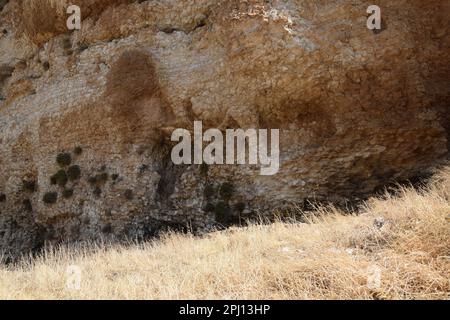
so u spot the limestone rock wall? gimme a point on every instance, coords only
(357, 109)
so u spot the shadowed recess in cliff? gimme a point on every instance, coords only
(169, 175)
(138, 108)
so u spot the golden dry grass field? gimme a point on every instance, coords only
(397, 247)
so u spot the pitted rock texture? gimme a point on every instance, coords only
(356, 109)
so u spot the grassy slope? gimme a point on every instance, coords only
(333, 257)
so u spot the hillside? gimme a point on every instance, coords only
(397, 247)
(87, 116)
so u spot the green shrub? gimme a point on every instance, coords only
(64, 159)
(2, 197)
(77, 151)
(74, 173)
(50, 198)
(128, 194)
(222, 212)
(67, 193)
(59, 178)
(226, 191)
(29, 185)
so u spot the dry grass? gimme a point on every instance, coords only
(332, 257)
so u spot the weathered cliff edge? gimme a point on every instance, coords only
(357, 109)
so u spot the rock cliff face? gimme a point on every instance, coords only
(356, 109)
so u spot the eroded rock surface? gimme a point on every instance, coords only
(356, 109)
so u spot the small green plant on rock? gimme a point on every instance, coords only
(64, 159)
(59, 178)
(74, 173)
(50, 198)
(67, 193)
(29, 185)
